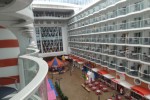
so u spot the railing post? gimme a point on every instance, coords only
(21, 73)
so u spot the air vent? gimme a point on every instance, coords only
(4, 3)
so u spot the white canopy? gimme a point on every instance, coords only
(108, 76)
(81, 62)
(95, 69)
(148, 97)
(125, 84)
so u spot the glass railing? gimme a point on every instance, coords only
(120, 53)
(132, 72)
(145, 75)
(112, 51)
(101, 6)
(135, 56)
(134, 40)
(121, 26)
(105, 51)
(145, 57)
(123, 11)
(104, 62)
(34, 72)
(120, 68)
(121, 40)
(112, 40)
(51, 15)
(145, 40)
(112, 65)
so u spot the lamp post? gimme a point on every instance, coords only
(98, 97)
(59, 79)
(52, 73)
(70, 65)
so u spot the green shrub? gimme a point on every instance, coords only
(60, 93)
(65, 98)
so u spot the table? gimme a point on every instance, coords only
(98, 92)
(90, 85)
(96, 83)
(101, 86)
(93, 88)
(87, 82)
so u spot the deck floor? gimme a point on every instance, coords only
(71, 86)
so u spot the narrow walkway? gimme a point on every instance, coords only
(71, 86)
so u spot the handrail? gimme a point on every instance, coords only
(36, 51)
(37, 80)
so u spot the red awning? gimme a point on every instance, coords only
(141, 90)
(102, 72)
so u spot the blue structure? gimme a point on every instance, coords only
(52, 86)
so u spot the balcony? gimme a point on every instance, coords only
(122, 11)
(106, 51)
(112, 40)
(145, 40)
(98, 50)
(112, 65)
(122, 26)
(98, 60)
(134, 40)
(135, 56)
(104, 62)
(132, 71)
(145, 75)
(121, 40)
(112, 51)
(145, 57)
(121, 53)
(120, 68)
(34, 72)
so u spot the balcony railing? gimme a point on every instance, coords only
(120, 40)
(145, 76)
(120, 26)
(121, 68)
(34, 72)
(104, 62)
(121, 53)
(145, 57)
(112, 65)
(112, 51)
(132, 72)
(125, 10)
(135, 56)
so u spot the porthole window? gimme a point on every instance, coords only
(137, 81)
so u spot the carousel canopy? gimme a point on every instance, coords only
(55, 63)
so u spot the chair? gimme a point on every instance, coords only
(7, 92)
